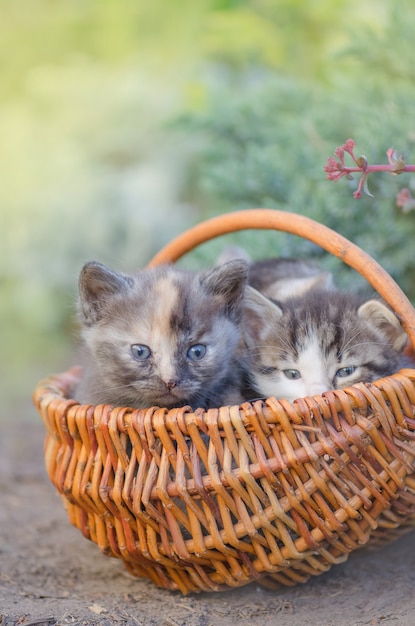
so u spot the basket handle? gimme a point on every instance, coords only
(339, 246)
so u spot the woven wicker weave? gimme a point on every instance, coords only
(270, 491)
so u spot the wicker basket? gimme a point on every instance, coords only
(269, 491)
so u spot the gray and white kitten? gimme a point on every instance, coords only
(280, 278)
(162, 337)
(319, 341)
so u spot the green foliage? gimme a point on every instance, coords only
(294, 37)
(388, 51)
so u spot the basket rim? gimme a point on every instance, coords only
(57, 387)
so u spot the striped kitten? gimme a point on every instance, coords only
(316, 342)
(280, 278)
(164, 337)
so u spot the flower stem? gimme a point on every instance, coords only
(335, 167)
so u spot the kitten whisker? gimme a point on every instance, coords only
(350, 340)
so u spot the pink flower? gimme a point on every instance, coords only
(333, 169)
(405, 201)
(348, 146)
(336, 168)
(339, 152)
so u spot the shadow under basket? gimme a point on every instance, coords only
(269, 491)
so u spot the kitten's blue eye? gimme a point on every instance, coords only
(292, 374)
(196, 352)
(346, 371)
(140, 352)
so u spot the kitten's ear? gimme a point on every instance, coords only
(230, 253)
(97, 284)
(385, 320)
(227, 281)
(294, 287)
(259, 316)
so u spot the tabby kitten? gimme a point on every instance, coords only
(316, 342)
(280, 278)
(165, 336)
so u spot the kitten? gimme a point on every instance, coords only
(280, 278)
(163, 337)
(316, 342)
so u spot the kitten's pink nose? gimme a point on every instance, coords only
(171, 384)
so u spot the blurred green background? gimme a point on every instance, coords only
(123, 122)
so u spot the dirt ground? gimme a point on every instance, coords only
(50, 575)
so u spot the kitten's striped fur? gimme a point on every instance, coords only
(281, 277)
